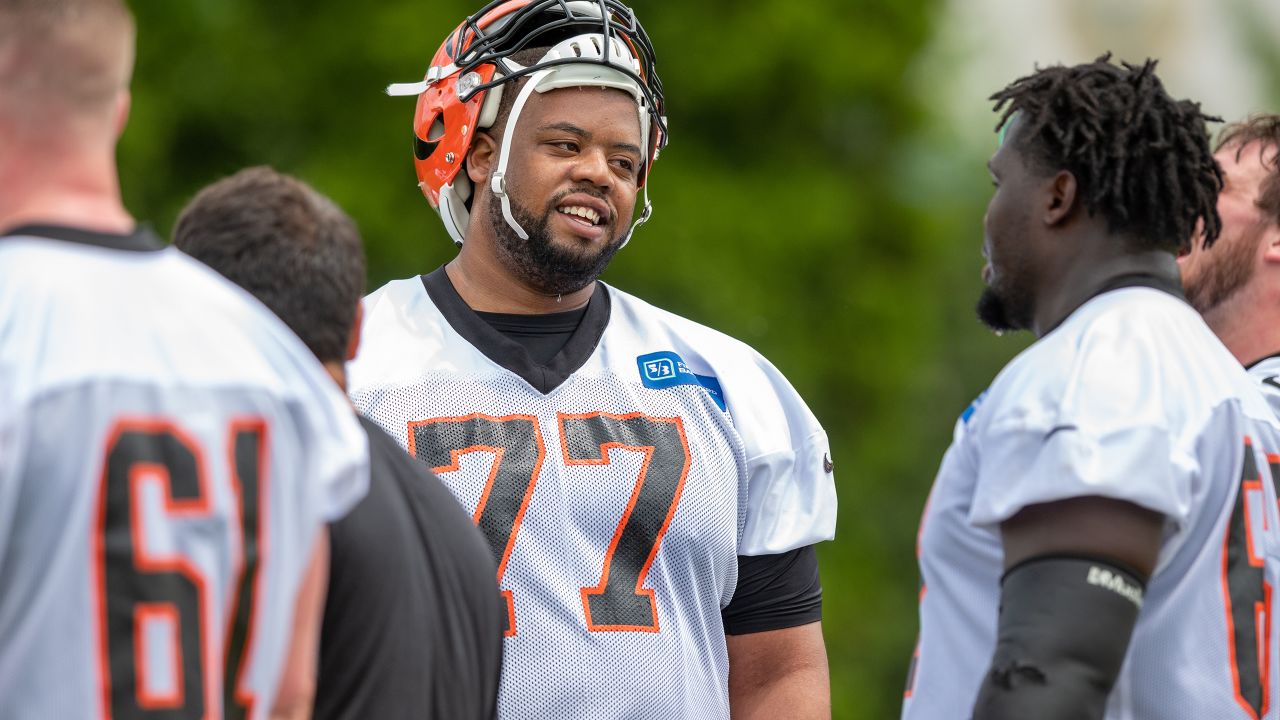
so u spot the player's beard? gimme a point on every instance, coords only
(539, 262)
(1005, 307)
(1223, 270)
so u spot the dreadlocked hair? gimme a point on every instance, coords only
(1140, 158)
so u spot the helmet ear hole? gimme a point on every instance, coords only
(423, 149)
(437, 129)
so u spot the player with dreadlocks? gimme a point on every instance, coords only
(1100, 539)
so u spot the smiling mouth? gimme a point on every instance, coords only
(583, 215)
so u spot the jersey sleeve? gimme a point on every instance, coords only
(791, 495)
(1101, 424)
(332, 443)
(342, 452)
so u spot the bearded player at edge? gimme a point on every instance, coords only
(651, 489)
(1102, 535)
(1235, 282)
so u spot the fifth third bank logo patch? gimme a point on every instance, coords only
(664, 369)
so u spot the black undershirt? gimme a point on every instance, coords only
(774, 591)
(543, 336)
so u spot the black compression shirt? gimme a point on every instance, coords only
(542, 335)
(413, 620)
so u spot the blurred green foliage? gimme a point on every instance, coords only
(803, 206)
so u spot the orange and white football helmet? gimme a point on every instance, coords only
(596, 43)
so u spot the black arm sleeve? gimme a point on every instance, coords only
(1065, 624)
(775, 592)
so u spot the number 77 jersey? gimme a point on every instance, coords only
(616, 485)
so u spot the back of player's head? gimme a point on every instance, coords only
(63, 58)
(285, 243)
(1262, 131)
(1141, 159)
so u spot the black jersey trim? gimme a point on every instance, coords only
(1171, 284)
(140, 240)
(1261, 360)
(511, 354)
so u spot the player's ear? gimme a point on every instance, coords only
(353, 342)
(123, 102)
(1060, 197)
(484, 151)
(1271, 242)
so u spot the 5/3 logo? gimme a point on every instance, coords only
(660, 369)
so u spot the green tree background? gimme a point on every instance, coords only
(802, 206)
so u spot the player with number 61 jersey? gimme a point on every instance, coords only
(169, 452)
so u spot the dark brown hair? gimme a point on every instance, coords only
(288, 245)
(1264, 130)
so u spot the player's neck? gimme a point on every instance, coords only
(1244, 323)
(485, 285)
(83, 193)
(1087, 273)
(338, 371)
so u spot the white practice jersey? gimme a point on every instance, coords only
(168, 453)
(1267, 372)
(616, 486)
(1132, 398)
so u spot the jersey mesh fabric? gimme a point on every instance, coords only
(598, 471)
(1202, 648)
(571, 517)
(1267, 373)
(81, 368)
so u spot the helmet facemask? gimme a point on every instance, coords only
(595, 43)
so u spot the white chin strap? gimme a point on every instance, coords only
(498, 181)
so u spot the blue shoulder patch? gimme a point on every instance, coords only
(973, 407)
(664, 369)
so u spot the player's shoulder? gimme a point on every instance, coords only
(667, 349)
(638, 317)
(402, 333)
(158, 317)
(394, 295)
(1135, 343)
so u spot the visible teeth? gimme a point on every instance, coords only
(585, 213)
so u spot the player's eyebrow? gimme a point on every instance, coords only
(586, 136)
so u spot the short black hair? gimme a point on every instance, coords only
(288, 245)
(1140, 158)
(1264, 130)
